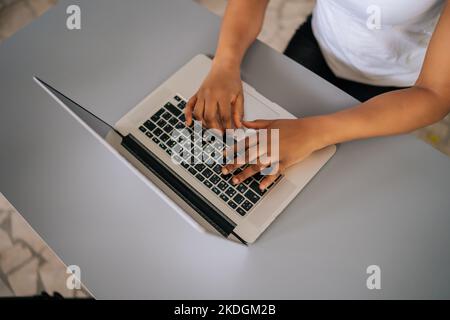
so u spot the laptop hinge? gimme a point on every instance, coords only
(194, 199)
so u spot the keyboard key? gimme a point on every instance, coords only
(149, 125)
(162, 146)
(143, 129)
(255, 187)
(149, 134)
(173, 121)
(222, 185)
(186, 133)
(237, 171)
(200, 167)
(192, 171)
(215, 179)
(224, 197)
(219, 145)
(258, 177)
(180, 126)
(209, 162)
(238, 199)
(155, 140)
(207, 183)
(218, 169)
(166, 116)
(171, 143)
(177, 98)
(161, 123)
(232, 204)
(175, 134)
(164, 137)
(159, 113)
(182, 105)
(247, 205)
(200, 177)
(182, 118)
(169, 151)
(227, 178)
(158, 132)
(174, 110)
(230, 192)
(168, 128)
(207, 173)
(209, 150)
(157, 116)
(198, 151)
(216, 190)
(242, 188)
(185, 165)
(253, 197)
(241, 211)
(178, 149)
(187, 156)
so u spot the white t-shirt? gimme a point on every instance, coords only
(378, 42)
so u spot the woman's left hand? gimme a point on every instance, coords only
(297, 140)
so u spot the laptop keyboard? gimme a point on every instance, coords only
(168, 123)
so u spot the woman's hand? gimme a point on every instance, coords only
(297, 140)
(219, 103)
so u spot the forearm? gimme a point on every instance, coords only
(241, 25)
(392, 113)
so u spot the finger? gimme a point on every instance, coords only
(248, 151)
(237, 154)
(225, 113)
(252, 153)
(210, 115)
(229, 168)
(268, 180)
(235, 147)
(257, 124)
(248, 172)
(268, 150)
(237, 111)
(189, 109)
(241, 145)
(199, 109)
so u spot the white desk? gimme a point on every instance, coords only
(382, 201)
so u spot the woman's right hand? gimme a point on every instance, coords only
(219, 103)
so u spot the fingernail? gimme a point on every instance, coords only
(235, 180)
(224, 171)
(262, 187)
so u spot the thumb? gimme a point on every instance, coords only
(257, 124)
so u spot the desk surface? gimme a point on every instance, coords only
(381, 201)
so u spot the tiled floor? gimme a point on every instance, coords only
(27, 265)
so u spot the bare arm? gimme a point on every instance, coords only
(392, 113)
(241, 25)
(401, 111)
(219, 103)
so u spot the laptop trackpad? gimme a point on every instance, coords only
(257, 109)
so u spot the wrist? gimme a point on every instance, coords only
(227, 61)
(322, 131)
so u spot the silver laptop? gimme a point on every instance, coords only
(149, 136)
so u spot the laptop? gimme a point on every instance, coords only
(149, 137)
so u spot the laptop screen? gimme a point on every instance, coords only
(101, 127)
